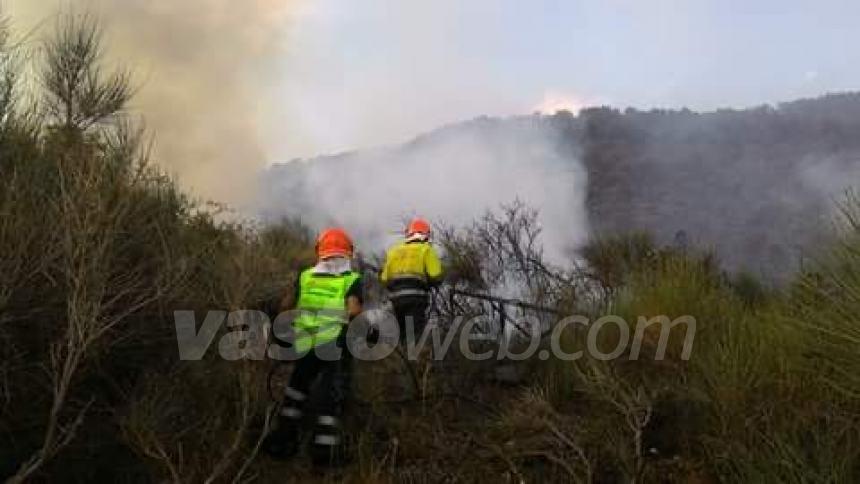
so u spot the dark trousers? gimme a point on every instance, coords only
(335, 381)
(334, 387)
(414, 308)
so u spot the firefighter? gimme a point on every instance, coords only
(328, 296)
(411, 269)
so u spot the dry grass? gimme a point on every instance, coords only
(98, 249)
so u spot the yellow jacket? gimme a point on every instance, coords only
(411, 267)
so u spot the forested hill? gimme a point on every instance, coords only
(755, 184)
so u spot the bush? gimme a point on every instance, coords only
(766, 393)
(99, 248)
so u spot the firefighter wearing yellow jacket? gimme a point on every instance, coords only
(411, 268)
(328, 295)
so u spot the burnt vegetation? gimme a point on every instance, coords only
(99, 248)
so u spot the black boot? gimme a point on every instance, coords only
(328, 448)
(283, 442)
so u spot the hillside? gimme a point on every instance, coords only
(753, 184)
(132, 319)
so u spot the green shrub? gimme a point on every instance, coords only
(98, 249)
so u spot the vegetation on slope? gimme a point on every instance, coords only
(99, 249)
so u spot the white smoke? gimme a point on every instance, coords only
(212, 73)
(451, 176)
(201, 69)
(358, 76)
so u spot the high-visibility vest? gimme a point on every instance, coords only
(409, 267)
(322, 307)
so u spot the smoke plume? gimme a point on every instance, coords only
(202, 67)
(451, 175)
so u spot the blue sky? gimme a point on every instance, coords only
(363, 73)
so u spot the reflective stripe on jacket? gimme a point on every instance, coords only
(410, 268)
(322, 303)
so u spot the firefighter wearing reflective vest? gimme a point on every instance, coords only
(328, 295)
(411, 268)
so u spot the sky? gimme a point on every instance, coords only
(229, 87)
(359, 74)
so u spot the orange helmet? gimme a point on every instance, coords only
(334, 242)
(418, 226)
